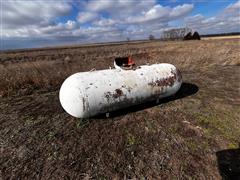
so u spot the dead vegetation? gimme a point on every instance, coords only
(183, 136)
(22, 72)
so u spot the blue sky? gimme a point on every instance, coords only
(29, 24)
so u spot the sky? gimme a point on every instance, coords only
(41, 23)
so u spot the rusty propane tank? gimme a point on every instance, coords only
(87, 94)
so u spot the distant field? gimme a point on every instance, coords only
(222, 37)
(192, 135)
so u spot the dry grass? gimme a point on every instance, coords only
(23, 72)
(23, 78)
(178, 138)
(222, 37)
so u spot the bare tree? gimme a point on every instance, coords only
(178, 33)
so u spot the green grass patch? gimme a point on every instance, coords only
(221, 124)
(131, 140)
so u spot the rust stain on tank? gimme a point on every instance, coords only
(118, 93)
(127, 88)
(169, 81)
(107, 95)
(163, 82)
(84, 103)
(179, 76)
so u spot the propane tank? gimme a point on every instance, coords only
(86, 94)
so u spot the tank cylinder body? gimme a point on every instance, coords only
(87, 94)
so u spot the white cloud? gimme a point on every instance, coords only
(126, 12)
(71, 24)
(27, 19)
(84, 17)
(162, 14)
(22, 13)
(181, 11)
(233, 7)
(119, 9)
(104, 20)
(100, 5)
(195, 18)
(227, 21)
(156, 12)
(130, 19)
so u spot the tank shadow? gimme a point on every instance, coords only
(229, 163)
(187, 89)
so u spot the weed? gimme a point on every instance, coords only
(51, 135)
(28, 121)
(232, 145)
(131, 139)
(53, 155)
(192, 145)
(82, 123)
(150, 127)
(219, 124)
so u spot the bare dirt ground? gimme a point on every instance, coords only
(192, 135)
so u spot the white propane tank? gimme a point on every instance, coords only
(87, 94)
